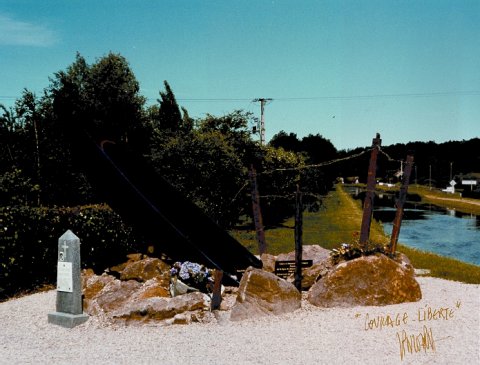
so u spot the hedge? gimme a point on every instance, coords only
(29, 238)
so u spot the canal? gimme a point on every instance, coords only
(430, 228)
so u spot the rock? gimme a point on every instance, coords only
(321, 264)
(369, 280)
(85, 275)
(268, 262)
(131, 258)
(151, 288)
(262, 293)
(136, 256)
(112, 296)
(422, 272)
(309, 252)
(182, 318)
(130, 300)
(404, 261)
(311, 274)
(146, 269)
(161, 308)
(178, 287)
(92, 285)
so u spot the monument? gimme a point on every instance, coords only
(69, 308)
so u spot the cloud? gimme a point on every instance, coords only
(18, 33)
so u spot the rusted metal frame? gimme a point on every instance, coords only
(257, 214)
(402, 196)
(370, 195)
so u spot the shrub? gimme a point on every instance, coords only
(29, 240)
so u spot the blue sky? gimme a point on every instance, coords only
(409, 70)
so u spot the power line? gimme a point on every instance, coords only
(326, 163)
(344, 97)
(313, 98)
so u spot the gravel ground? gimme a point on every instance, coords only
(310, 335)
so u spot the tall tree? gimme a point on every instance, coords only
(116, 104)
(103, 98)
(169, 114)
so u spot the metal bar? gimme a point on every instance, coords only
(402, 196)
(298, 239)
(369, 197)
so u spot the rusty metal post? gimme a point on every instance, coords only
(369, 197)
(217, 290)
(257, 214)
(298, 238)
(402, 196)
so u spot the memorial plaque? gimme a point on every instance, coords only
(284, 269)
(69, 303)
(65, 277)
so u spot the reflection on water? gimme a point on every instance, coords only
(444, 233)
(431, 228)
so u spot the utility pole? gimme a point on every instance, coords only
(369, 197)
(263, 102)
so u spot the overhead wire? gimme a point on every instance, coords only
(318, 97)
(326, 163)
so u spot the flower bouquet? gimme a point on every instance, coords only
(189, 276)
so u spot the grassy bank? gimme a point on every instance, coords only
(338, 221)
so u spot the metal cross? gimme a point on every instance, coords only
(64, 248)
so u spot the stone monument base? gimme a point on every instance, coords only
(66, 319)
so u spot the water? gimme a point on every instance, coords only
(429, 228)
(444, 232)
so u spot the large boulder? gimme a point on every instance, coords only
(311, 274)
(315, 253)
(113, 295)
(130, 301)
(146, 269)
(369, 280)
(158, 308)
(92, 284)
(262, 293)
(321, 264)
(150, 289)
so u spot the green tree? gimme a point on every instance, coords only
(209, 164)
(115, 102)
(103, 98)
(7, 135)
(206, 169)
(166, 117)
(278, 176)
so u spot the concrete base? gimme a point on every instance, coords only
(66, 319)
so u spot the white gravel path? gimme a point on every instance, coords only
(308, 336)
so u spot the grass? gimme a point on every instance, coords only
(338, 221)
